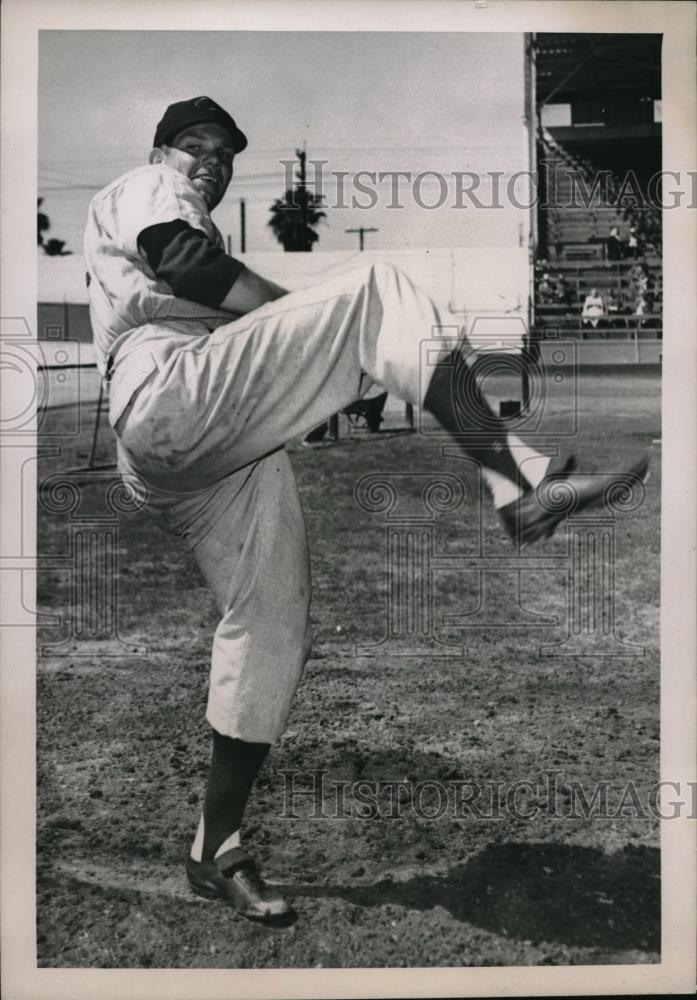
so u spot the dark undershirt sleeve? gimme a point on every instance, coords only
(186, 259)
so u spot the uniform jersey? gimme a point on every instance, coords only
(130, 308)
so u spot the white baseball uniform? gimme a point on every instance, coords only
(202, 404)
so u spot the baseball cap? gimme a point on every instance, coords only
(194, 112)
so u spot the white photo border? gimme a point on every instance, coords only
(22, 20)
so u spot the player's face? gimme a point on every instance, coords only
(204, 154)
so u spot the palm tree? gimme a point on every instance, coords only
(294, 218)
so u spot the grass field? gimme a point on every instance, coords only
(123, 745)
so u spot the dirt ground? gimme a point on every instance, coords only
(414, 880)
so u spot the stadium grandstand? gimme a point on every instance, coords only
(597, 231)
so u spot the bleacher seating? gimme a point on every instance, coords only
(576, 235)
(560, 310)
(574, 230)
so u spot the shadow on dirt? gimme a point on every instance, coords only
(537, 892)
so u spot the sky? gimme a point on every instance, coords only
(363, 101)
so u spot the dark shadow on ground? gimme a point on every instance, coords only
(537, 892)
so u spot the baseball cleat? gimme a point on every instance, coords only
(538, 512)
(233, 877)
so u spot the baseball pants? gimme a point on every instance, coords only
(205, 435)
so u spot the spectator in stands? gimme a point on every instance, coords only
(545, 290)
(639, 281)
(612, 308)
(640, 309)
(645, 294)
(593, 309)
(633, 242)
(651, 319)
(563, 294)
(634, 273)
(614, 247)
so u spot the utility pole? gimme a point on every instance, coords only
(243, 226)
(532, 121)
(361, 230)
(302, 184)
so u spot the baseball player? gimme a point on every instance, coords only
(211, 370)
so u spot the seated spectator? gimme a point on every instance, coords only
(563, 294)
(612, 308)
(614, 247)
(593, 309)
(650, 318)
(545, 290)
(640, 306)
(640, 284)
(633, 242)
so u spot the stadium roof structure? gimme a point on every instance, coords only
(584, 66)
